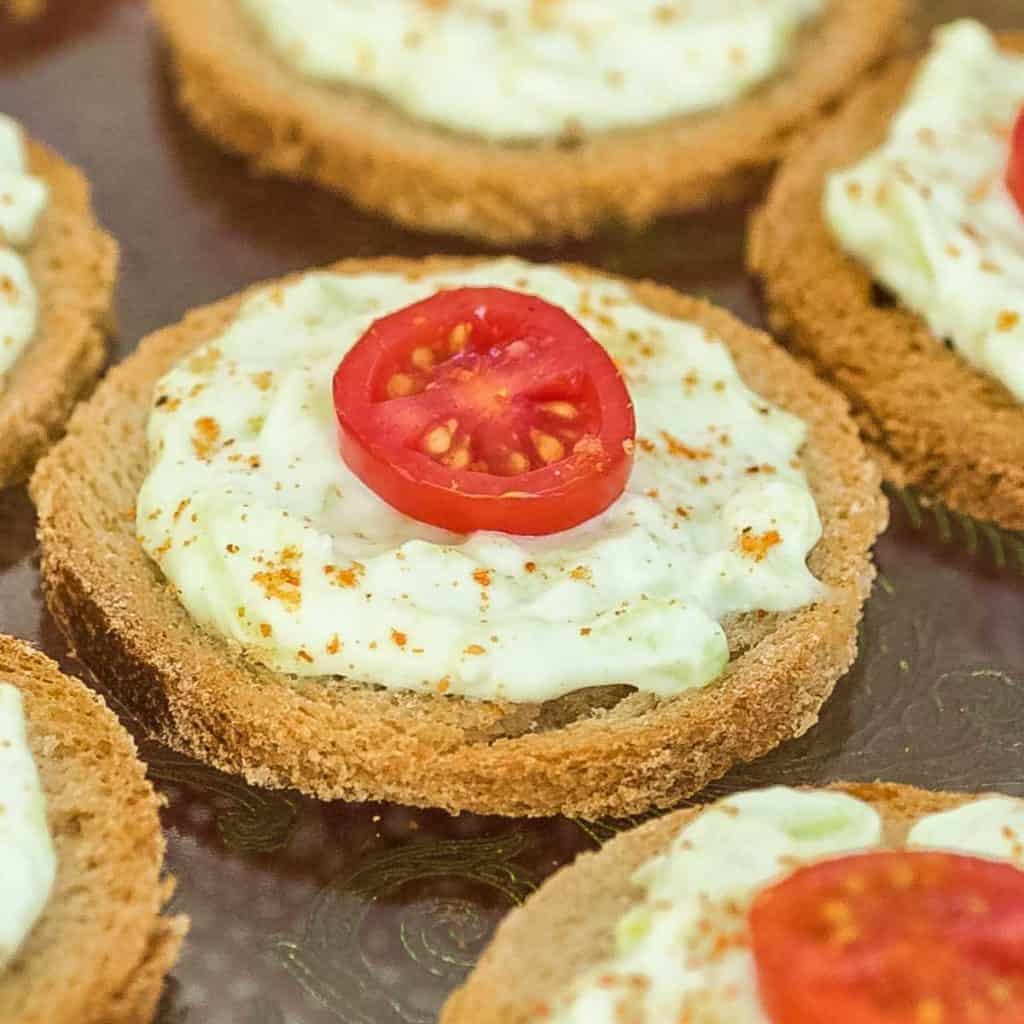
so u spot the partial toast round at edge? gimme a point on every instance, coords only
(568, 925)
(73, 265)
(101, 950)
(237, 91)
(936, 422)
(605, 751)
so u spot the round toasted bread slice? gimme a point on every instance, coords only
(73, 265)
(237, 91)
(935, 421)
(599, 751)
(568, 925)
(101, 950)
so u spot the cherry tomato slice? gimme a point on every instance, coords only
(893, 938)
(485, 409)
(1015, 171)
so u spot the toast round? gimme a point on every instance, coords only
(568, 925)
(600, 751)
(237, 91)
(100, 951)
(935, 421)
(73, 264)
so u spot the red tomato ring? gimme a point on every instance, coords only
(892, 938)
(1015, 170)
(485, 409)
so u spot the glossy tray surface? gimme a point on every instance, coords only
(311, 913)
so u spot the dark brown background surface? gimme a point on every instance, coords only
(310, 913)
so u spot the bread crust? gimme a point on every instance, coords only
(576, 911)
(101, 950)
(936, 422)
(73, 265)
(237, 91)
(607, 751)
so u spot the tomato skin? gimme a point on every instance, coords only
(1015, 170)
(892, 938)
(483, 368)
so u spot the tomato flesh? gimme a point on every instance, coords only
(1015, 170)
(893, 938)
(485, 409)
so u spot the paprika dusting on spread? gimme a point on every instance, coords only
(486, 409)
(892, 938)
(1015, 171)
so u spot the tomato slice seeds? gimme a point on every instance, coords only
(486, 409)
(893, 938)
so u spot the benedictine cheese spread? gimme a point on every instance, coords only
(683, 953)
(28, 863)
(22, 200)
(272, 543)
(929, 212)
(537, 69)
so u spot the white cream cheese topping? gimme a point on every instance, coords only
(22, 199)
(683, 952)
(28, 863)
(988, 827)
(535, 69)
(929, 212)
(271, 542)
(688, 939)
